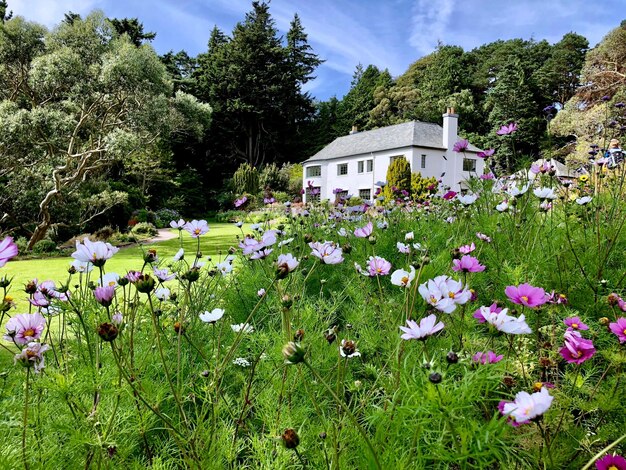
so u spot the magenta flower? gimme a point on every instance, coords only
(507, 129)
(611, 462)
(467, 249)
(26, 327)
(8, 250)
(32, 355)
(618, 328)
(449, 195)
(575, 323)
(195, 228)
(364, 232)
(478, 313)
(104, 295)
(526, 295)
(576, 349)
(377, 266)
(488, 357)
(461, 146)
(486, 153)
(428, 326)
(467, 264)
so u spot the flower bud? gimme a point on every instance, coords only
(286, 301)
(290, 438)
(150, 256)
(293, 353)
(122, 281)
(144, 284)
(178, 327)
(372, 240)
(346, 248)
(30, 287)
(299, 335)
(425, 260)
(613, 299)
(107, 331)
(308, 238)
(331, 335)
(192, 275)
(604, 321)
(452, 357)
(435, 377)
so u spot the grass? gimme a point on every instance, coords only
(215, 243)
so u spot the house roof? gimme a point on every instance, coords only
(407, 134)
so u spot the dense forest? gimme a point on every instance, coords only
(94, 125)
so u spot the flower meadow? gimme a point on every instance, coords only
(459, 332)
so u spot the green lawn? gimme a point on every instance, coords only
(219, 239)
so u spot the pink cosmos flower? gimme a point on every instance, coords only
(96, 253)
(478, 313)
(32, 355)
(507, 129)
(488, 357)
(364, 232)
(377, 266)
(178, 224)
(403, 248)
(261, 254)
(526, 295)
(287, 263)
(526, 407)
(467, 264)
(576, 349)
(104, 295)
(8, 250)
(575, 323)
(611, 462)
(328, 252)
(133, 276)
(163, 275)
(444, 293)
(428, 326)
(486, 153)
(618, 328)
(195, 228)
(460, 146)
(467, 249)
(449, 195)
(483, 237)
(26, 327)
(487, 176)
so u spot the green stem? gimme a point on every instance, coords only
(25, 420)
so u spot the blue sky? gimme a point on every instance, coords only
(387, 33)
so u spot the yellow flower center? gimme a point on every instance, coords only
(575, 326)
(624, 331)
(8, 299)
(579, 353)
(404, 280)
(613, 467)
(451, 295)
(196, 231)
(29, 332)
(524, 298)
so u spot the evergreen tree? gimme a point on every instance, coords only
(133, 28)
(4, 16)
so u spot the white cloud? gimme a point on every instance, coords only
(429, 22)
(50, 12)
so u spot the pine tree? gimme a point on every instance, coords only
(398, 178)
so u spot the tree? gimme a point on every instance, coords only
(4, 16)
(133, 28)
(85, 100)
(398, 178)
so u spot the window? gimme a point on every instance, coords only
(423, 165)
(313, 193)
(365, 194)
(370, 166)
(312, 171)
(360, 165)
(469, 164)
(395, 157)
(342, 195)
(342, 169)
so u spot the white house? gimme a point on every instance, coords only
(354, 163)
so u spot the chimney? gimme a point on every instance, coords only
(450, 128)
(354, 130)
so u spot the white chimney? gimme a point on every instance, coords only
(355, 130)
(450, 128)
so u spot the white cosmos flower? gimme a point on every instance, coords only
(504, 322)
(224, 267)
(162, 293)
(403, 248)
(244, 327)
(581, 201)
(467, 200)
(514, 191)
(409, 236)
(545, 193)
(212, 316)
(180, 254)
(82, 266)
(285, 242)
(403, 278)
(503, 206)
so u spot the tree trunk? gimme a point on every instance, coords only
(38, 234)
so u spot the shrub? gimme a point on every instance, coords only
(398, 178)
(246, 179)
(165, 216)
(422, 187)
(44, 246)
(272, 177)
(144, 228)
(104, 233)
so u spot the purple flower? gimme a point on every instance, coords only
(467, 264)
(195, 228)
(8, 250)
(24, 328)
(286, 263)
(526, 295)
(377, 266)
(605, 98)
(269, 200)
(32, 355)
(364, 232)
(449, 195)
(611, 462)
(461, 146)
(133, 276)
(618, 328)
(576, 349)
(428, 326)
(241, 201)
(467, 249)
(507, 129)
(488, 357)
(575, 323)
(486, 153)
(104, 295)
